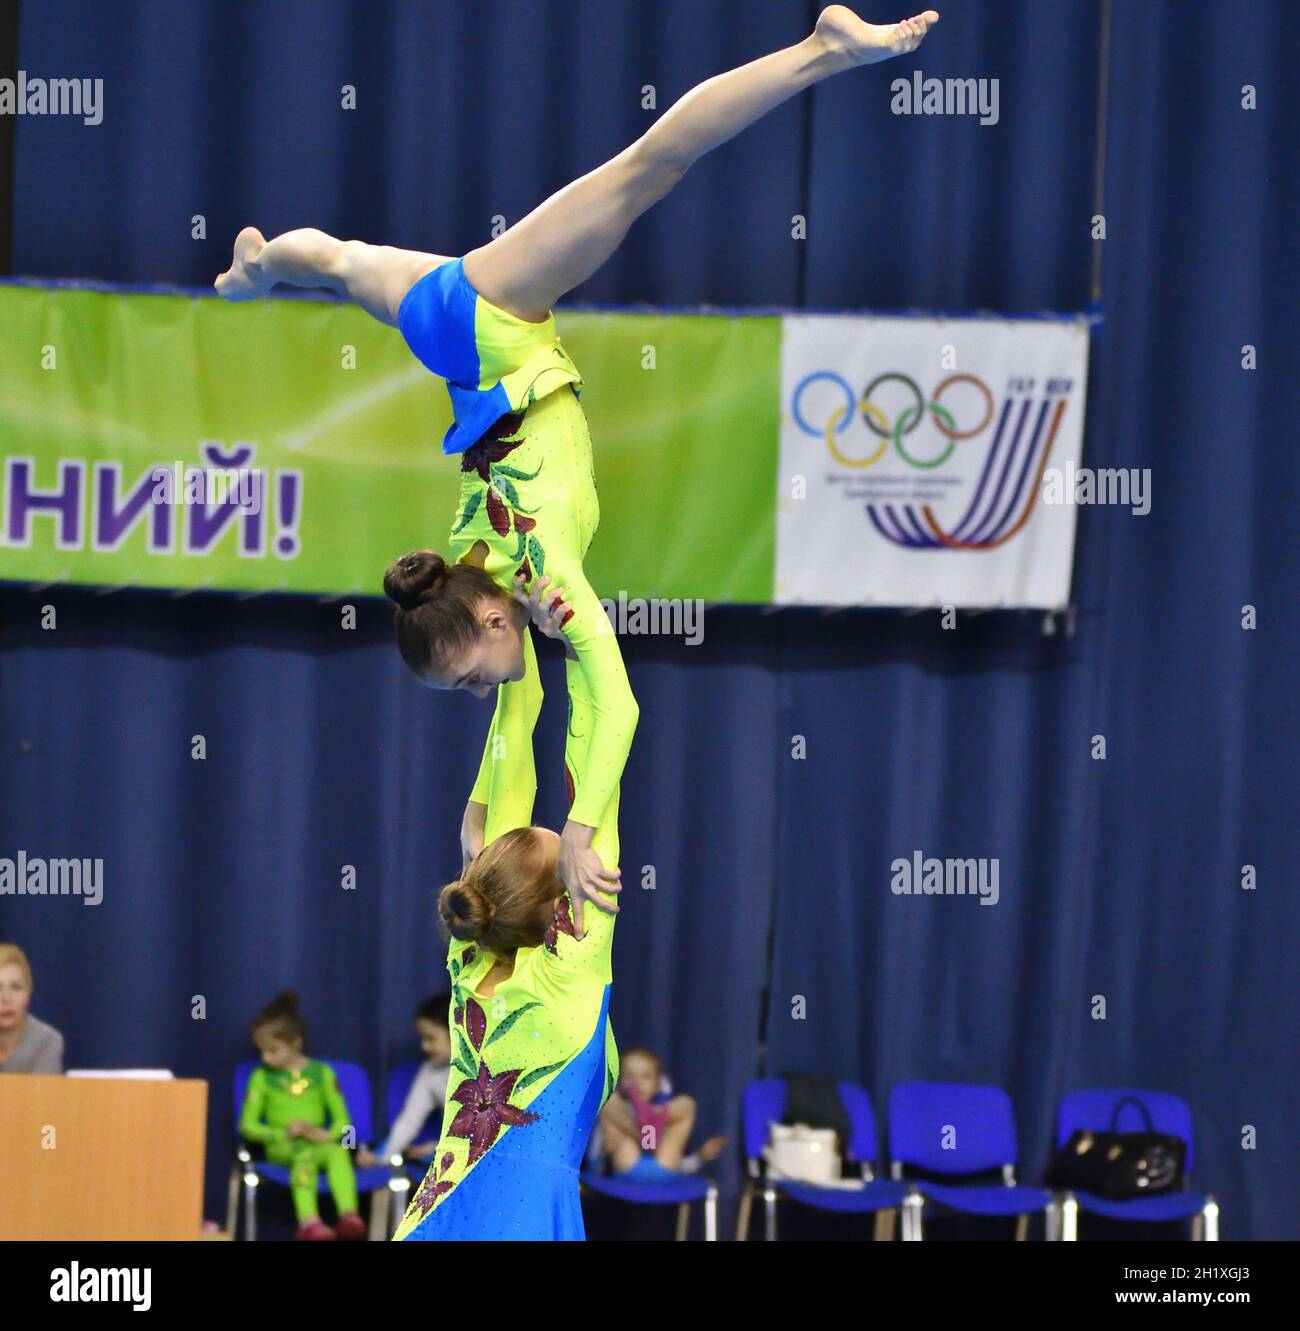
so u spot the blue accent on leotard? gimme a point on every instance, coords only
(526, 1186)
(494, 362)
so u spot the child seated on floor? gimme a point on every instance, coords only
(289, 1101)
(646, 1128)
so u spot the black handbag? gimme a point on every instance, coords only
(1120, 1165)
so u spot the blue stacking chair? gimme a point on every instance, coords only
(984, 1140)
(405, 1173)
(253, 1173)
(763, 1104)
(681, 1192)
(1094, 1111)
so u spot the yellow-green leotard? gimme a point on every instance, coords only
(532, 1063)
(528, 491)
(274, 1099)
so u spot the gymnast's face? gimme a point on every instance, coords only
(495, 657)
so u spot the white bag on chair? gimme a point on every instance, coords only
(802, 1154)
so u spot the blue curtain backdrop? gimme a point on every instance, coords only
(1119, 878)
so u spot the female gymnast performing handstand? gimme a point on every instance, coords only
(530, 983)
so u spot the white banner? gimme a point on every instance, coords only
(915, 457)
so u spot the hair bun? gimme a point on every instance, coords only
(464, 911)
(410, 579)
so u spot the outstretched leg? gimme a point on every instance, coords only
(376, 277)
(564, 241)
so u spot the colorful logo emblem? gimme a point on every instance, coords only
(1008, 483)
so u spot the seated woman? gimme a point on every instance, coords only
(26, 1044)
(647, 1129)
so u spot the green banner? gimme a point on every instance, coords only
(294, 446)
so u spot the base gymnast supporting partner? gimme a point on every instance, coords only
(534, 1056)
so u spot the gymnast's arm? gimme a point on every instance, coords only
(503, 794)
(566, 607)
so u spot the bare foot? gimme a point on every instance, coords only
(866, 43)
(244, 279)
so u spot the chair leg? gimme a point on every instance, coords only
(1211, 1214)
(250, 1207)
(232, 1199)
(379, 1204)
(683, 1221)
(743, 1215)
(769, 1214)
(398, 1203)
(1052, 1220)
(884, 1230)
(1069, 1219)
(913, 1228)
(711, 1216)
(1022, 1228)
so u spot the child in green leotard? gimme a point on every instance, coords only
(290, 1101)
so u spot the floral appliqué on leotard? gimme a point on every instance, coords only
(501, 495)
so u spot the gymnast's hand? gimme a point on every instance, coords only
(471, 832)
(549, 616)
(583, 872)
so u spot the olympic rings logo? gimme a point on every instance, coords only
(878, 423)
